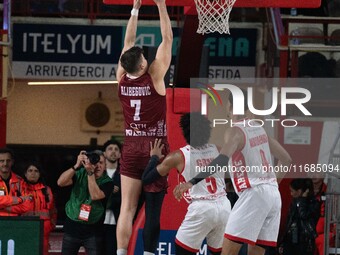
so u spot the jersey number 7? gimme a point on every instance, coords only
(136, 104)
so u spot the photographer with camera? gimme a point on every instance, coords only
(85, 209)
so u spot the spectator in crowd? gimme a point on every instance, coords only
(43, 200)
(299, 237)
(112, 153)
(12, 200)
(85, 209)
(320, 194)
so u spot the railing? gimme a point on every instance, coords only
(332, 217)
(285, 42)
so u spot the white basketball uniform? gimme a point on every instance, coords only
(209, 207)
(255, 217)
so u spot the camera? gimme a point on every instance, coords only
(93, 157)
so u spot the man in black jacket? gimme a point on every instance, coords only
(300, 233)
(112, 153)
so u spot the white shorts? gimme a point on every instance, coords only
(255, 217)
(204, 219)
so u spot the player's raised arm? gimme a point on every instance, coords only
(162, 61)
(130, 35)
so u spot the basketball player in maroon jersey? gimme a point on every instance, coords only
(142, 95)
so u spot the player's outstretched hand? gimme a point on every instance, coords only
(180, 189)
(156, 148)
(137, 4)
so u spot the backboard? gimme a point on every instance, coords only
(239, 3)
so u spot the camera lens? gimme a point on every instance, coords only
(93, 157)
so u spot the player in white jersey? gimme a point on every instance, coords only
(251, 165)
(196, 159)
(209, 207)
(255, 218)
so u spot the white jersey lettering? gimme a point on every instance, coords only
(195, 159)
(250, 165)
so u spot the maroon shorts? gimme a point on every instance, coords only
(135, 157)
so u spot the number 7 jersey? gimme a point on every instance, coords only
(196, 159)
(143, 108)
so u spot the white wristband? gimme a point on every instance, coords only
(134, 12)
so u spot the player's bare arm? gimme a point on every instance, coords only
(281, 154)
(161, 64)
(130, 37)
(173, 160)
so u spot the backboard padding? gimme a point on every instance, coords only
(239, 3)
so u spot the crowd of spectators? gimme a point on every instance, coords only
(96, 184)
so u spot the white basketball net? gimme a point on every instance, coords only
(213, 15)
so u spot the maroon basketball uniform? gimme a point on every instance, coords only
(145, 120)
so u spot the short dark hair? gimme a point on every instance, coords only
(303, 184)
(38, 165)
(112, 141)
(131, 58)
(7, 150)
(245, 93)
(41, 178)
(196, 126)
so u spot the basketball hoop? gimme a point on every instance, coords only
(213, 15)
